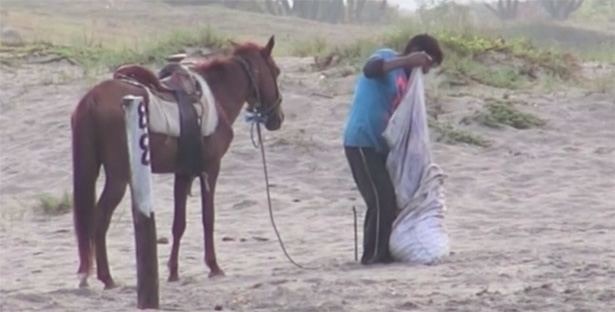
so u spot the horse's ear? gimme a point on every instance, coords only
(269, 47)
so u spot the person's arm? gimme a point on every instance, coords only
(377, 67)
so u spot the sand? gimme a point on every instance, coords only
(531, 218)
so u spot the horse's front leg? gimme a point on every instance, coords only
(181, 189)
(208, 189)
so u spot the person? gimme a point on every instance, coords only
(378, 91)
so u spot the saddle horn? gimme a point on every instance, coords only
(176, 57)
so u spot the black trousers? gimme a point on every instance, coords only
(373, 181)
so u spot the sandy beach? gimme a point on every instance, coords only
(531, 218)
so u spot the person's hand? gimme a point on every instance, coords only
(418, 59)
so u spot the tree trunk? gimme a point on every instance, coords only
(286, 8)
(337, 10)
(350, 11)
(359, 10)
(301, 8)
(271, 7)
(505, 10)
(314, 10)
(560, 9)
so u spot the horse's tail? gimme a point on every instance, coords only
(86, 165)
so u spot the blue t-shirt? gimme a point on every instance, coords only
(375, 100)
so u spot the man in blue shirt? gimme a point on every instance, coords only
(378, 92)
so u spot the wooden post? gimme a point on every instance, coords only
(142, 206)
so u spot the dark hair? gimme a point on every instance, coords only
(426, 43)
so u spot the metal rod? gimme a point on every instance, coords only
(356, 239)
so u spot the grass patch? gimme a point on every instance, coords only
(94, 57)
(448, 134)
(52, 205)
(311, 47)
(473, 49)
(603, 84)
(589, 44)
(498, 113)
(483, 58)
(503, 77)
(602, 53)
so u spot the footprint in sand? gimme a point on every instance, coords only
(82, 292)
(244, 204)
(32, 298)
(602, 150)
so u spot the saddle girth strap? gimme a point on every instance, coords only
(189, 158)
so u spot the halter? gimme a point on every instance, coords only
(258, 113)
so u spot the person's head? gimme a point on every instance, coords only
(428, 44)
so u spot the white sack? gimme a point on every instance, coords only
(418, 234)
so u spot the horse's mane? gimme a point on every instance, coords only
(218, 62)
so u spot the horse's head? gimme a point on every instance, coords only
(264, 98)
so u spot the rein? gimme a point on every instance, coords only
(256, 117)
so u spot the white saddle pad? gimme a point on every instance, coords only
(164, 115)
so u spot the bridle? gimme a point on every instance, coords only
(258, 112)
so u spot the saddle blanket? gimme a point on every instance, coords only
(164, 115)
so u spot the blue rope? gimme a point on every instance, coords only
(255, 119)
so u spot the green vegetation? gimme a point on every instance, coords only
(486, 54)
(498, 113)
(582, 40)
(596, 11)
(600, 53)
(50, 205)
(504, 77)
(448, 134)
(485, 59)
(311, 47)
(603, 84)
(95, 57)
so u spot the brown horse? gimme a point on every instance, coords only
(249, 74)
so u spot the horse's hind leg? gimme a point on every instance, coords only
(114, 190)
(181, 189)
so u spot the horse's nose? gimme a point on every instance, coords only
(275, 123)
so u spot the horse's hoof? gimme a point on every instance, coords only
(216, 273)
(83, 280)
(110, 285)
(173, 278)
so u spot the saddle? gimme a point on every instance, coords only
(172, 78)
(175, 83)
